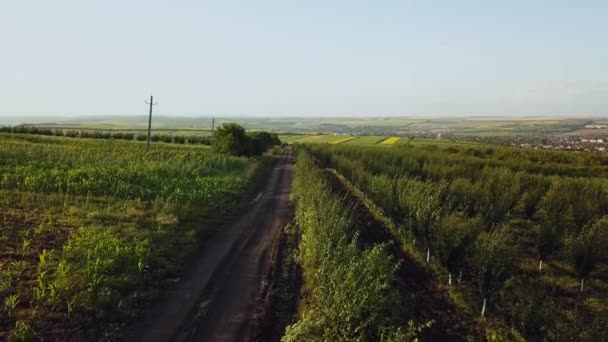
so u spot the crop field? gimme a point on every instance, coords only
(516, 239)
(465, 127)
(317, 139)
(289, 139)
(337, 139)
(90, 229)
(342, 140)
(367, 140)
(390, 141)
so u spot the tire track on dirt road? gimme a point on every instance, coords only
(216, 299)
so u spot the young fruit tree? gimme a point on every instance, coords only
(494, 257)
(453, 240)
(587, 248)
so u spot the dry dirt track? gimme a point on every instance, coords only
(215, 301)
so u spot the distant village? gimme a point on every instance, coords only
(569, 144)
(573, 143)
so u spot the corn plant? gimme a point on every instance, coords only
(11, 302)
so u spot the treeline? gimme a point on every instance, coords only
(72, 133)
(483, 214)
(351, 291)
(231, 138)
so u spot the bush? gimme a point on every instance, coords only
(230, 138)
(261, 141)
(71, 133)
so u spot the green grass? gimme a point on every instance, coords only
(289, 139)
(89, 228)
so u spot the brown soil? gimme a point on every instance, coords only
(216, 300)
(278, 298)
(16, 226)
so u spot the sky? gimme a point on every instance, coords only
(314, 57)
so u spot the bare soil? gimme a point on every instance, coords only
(216, 300)
(278, 298)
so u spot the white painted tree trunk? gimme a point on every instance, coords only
(459, 277)
(483, 308)
(450, 279)
(582, 284)
(540, 265)
(428, 255)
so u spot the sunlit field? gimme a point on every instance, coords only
(89, 227)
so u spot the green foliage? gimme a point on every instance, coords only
(93, 227)
(498, 191)
(261, 141)
(547, 239)
(352, 292)
(490, 213)
(493, 259)
(11, 302)
(531, 308)
(230, 138)
(91, 270)
(22, 332)
(588, 247)
(454, 238)
(118, 169)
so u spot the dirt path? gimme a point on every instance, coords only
(215, 302)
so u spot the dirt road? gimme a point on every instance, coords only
(215, 301)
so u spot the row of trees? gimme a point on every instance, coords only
(351, 291)
(229, 138)
(478, 218)
(120, 135)
(454, 161)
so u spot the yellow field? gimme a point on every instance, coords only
(390, 141)
(342, 140)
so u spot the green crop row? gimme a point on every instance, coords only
(91, 230)
(522, 236)
(350, 290)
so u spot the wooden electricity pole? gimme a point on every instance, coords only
(212, 126)
(151, 103)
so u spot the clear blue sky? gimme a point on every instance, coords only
(315, 57)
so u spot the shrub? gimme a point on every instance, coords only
(230, 138)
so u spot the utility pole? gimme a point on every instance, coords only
(151, 103)
(212, 125)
